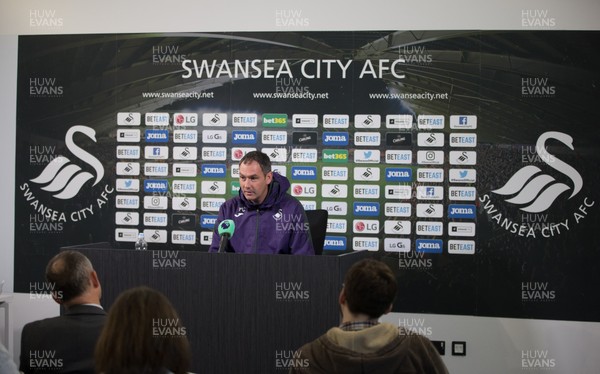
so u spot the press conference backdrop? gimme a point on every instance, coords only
(465, 159)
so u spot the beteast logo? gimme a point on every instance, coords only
(65, 179)
(244, 120)
(304, 155)
(428, 122)
(274, 137)
(367, 138)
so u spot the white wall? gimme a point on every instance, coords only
(494, 345)
(499, 345)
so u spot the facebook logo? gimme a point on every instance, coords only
(462, 120)
(429, 191)
(156, 151)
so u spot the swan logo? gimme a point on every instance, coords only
(64, 178)
(536, 191)
(533, 191)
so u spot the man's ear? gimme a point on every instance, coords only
(342, 297)
(389, 309)
(94, 279)
(56, 298)
(269, 177)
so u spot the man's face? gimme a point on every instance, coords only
(253, 182)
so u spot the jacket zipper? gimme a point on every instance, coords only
(256, 239)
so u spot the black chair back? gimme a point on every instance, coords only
(317, 222)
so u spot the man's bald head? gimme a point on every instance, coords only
(69, 273)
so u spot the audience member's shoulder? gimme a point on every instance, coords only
(40, 323)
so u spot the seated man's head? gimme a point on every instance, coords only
(73, 279)
(369, 290)
(255, 176)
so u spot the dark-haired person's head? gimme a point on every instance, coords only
(259, 157)
(143, 334)
(255, 176)
(73, 279)
(369, 288)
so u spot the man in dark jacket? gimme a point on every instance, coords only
(66, 344)
(267, 219)
(363, 345)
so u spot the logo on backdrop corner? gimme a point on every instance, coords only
(533, 192)
(64, 180)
